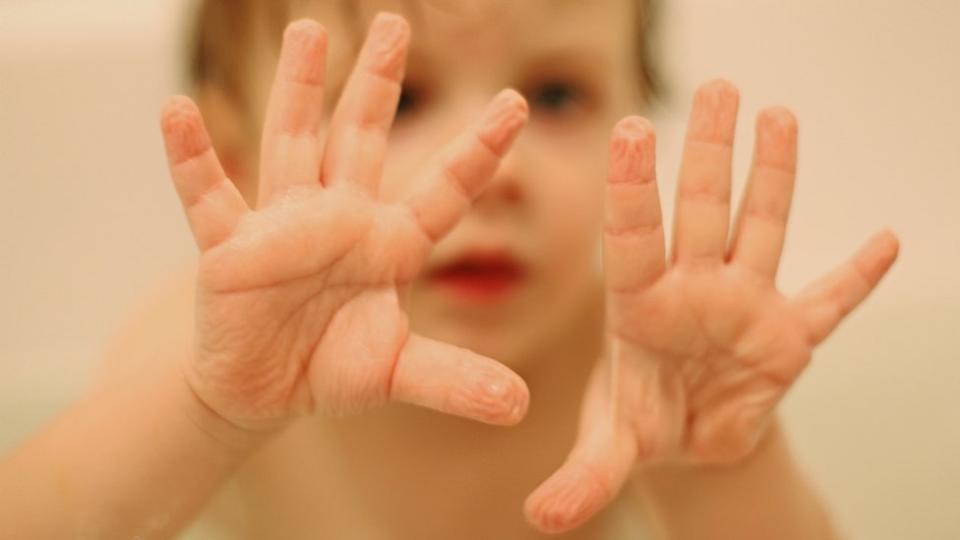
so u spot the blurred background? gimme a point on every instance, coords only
(91, 226)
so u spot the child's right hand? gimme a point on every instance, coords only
(297, 301)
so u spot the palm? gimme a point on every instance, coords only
(727, 346)
(254, 283)
(701, 346)
(297, 302)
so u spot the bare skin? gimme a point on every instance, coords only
(298, 301)
(706, 344)
(700, 350)
(297, 311)
(296, 305)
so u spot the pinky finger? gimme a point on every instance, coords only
(830, 299)
(210, 200)
(467, 165)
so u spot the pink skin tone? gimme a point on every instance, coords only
(702, 347)
(298, 300)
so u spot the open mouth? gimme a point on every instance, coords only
(480, 276)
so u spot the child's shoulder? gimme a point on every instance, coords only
(159, 328)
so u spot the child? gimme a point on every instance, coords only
(342, 269)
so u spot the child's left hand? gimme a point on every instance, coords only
(700, 349)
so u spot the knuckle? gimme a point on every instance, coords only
(705, 189)
(769, 210)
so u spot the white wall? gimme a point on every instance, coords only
(875, 86)
(89, 220)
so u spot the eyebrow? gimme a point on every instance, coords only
(572, 58)
(588, 58)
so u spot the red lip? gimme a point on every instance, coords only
(480, 275)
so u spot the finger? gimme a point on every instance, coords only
(586, 483)
(633, 234)
(593, 473)
(762, 221)
(212, 203)
(358, 132)
(290, 149)
(459, 382)
(703, 193)
(465, 167)
(828, 300)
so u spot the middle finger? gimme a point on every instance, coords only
(703, 194)
(362, 119)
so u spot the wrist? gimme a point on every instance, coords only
(771, 446)
(765, 495)
(235, 440)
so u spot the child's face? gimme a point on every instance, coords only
(524, 262)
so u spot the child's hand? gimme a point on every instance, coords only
(297, 301)
(700, 349)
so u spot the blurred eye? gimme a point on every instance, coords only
(411, 99)
(554, 96)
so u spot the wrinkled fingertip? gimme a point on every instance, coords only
(176, 111)
(521, 404)
(304, 28)
(718, 90)
(387, 44)
(779, 119)
(634, 127)
(182, 125)
(566, 500)
(714, 114)
(541, 515)
(506, 114)
(632, 151)
(503, 402)
(389, 21)
(513, 98)
(304, 51)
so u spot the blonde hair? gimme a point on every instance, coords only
(223, 29)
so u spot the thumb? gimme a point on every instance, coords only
(456, 381)
(587, 481)
(595, 470)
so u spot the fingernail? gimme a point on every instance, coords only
(503, 119)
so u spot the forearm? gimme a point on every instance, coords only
(765, 496)
(139, 461)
